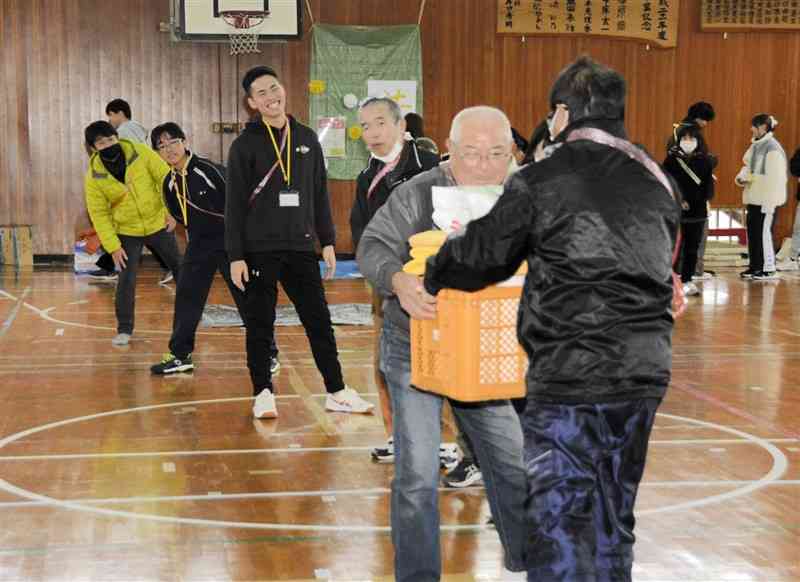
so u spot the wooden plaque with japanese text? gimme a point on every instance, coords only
(653, 21)
(723, 15)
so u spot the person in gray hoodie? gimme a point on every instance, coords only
(764, 177)
(119, 115)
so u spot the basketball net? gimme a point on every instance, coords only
(244, 31)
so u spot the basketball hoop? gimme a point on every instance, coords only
(244, 30)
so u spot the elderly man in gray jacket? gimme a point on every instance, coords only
(480, 144)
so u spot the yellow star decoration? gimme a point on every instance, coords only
(354, 132)
(397, 97)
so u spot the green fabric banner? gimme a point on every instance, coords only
(343, 60)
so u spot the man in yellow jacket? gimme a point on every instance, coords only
(123, 196)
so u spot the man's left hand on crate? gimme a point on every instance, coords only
(410, 291)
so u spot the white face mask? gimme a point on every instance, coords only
(688, 146)
(393, 153)
(551, 121)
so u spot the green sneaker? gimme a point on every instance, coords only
(171, 365)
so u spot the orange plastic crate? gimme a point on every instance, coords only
(470, 351)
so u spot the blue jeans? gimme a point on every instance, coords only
(584, 464)
(496, 434)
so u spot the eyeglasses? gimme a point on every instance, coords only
(472, 158)
(168, 144)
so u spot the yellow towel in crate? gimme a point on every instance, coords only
(428, 238)
(415, 267)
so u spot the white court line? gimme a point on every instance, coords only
(373, 493)
(298, 448)
(37, 368)
(779, 466)
(44, 314)
(295, 448)
(719, 441)
(14, 310)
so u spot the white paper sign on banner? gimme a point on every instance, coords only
(331, 135)
(404, 93)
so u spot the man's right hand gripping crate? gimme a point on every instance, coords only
(470, 351)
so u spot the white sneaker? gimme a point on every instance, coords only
(690, 289)
(264, 405)
(786, 265)
(448, 456)
(121, 339)
(704, 277)
(347, 400)
(166, 279)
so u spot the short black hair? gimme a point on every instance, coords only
(765, 119)
(254, 74)
(96, 130)
(540, 134)
(701, 110)
(119, 105)
(519, 141)
(172, 129)
(687, 129)
(589, 89)
(415, 125)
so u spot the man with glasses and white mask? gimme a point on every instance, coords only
(480, 146)
(194, 194)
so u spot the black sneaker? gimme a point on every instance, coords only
(765, 276)
(748, 274)
(465, 474)
(171, 365)
(274, 365)
(383, 454)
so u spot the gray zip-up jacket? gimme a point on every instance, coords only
(384, 249)
(132, 130)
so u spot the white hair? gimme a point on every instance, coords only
(480, 111)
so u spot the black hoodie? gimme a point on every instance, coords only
(413, 160)
(260, 224)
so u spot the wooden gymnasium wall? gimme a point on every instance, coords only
(62, 60)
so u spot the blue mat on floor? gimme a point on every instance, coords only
(344, 270)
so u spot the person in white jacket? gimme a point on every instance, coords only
(764, 178)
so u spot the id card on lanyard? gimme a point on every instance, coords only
(287, 197)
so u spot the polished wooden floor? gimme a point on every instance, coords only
(108, 473)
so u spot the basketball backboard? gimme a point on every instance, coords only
(201, 20)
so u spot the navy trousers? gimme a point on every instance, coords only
(583, 464)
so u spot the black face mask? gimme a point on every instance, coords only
(111, 153)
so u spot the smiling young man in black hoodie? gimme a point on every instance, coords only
(277, 204)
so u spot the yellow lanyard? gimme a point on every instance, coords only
(183, 199)
(287, 169)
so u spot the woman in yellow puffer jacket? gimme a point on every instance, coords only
(123, 196)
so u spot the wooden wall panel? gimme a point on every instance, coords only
(64, 59)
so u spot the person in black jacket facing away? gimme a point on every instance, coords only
(394, 160)
(194, 194)
(691, 169)
(597, 222)
(277, 204)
